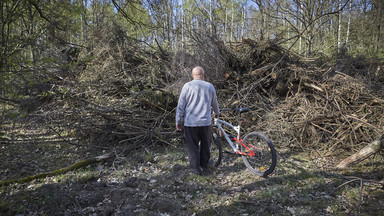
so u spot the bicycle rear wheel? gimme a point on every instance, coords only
(264, 160)
(215, 147)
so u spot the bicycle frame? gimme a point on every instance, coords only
(235, 128)
(256, 149)
(237, 139)
(218, 122)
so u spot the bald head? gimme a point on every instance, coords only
(198, 73)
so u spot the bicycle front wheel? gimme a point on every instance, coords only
(260, 154)
(215, 148)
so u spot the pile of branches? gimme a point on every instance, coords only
(126, 95)
(329, 108)
(117, 99)
(333, 109)
(335, 112)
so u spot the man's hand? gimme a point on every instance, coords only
(179, 127)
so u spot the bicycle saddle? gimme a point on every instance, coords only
(241, 110)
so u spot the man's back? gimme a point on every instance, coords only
(196, 99)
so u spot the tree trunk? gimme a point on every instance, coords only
(232, 23)
(182, 25)
(301, 26)
(84, 22)
(349, 24)
(378, 25)
(339, 30)
(74, 166)
(3, 63)
(364, 153)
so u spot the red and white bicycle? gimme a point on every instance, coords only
(256, 149)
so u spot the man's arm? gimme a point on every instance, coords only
(180, 110)
(214, 103)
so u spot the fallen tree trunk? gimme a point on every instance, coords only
(364, 153)
(59, 171)
(14, 102)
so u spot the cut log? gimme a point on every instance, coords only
(364, 153)
(59, 171)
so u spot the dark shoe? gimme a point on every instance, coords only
(212, 168)
(206, 171)
(196, 172)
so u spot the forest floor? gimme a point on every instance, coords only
(156, 181)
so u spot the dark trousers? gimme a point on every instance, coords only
(198, 154)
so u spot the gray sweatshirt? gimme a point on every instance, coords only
(195, 102)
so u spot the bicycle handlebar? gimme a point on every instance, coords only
(240, 110)
(225, 110)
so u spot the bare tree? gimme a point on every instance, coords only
(380, 6)
(339, 28)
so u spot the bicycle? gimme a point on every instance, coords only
(256, 149)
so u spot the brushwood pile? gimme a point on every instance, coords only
(127, 98)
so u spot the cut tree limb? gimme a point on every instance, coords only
(261, 70)
(59, 171)
(364, 153)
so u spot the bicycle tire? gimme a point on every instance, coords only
(215, 148)
(264, 161)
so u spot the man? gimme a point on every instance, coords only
(195, 102)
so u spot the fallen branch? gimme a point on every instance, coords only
(261, 70)
(59, 171)
(14, 102)
(310, 85)
(364, 153)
